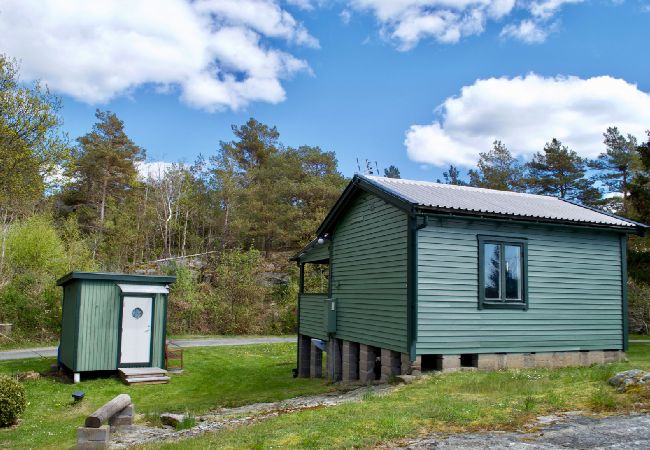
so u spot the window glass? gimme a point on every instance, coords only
(492, 268)
(513, 272)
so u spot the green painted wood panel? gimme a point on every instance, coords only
(317, 253)
(369, 274)
(574, 279)
(159, 332)
(99, 316)
(68, 344)
(312, 315)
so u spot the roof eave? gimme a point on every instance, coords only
(135, 278)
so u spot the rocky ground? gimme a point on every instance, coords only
(570, 430)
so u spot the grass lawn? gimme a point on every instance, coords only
(450, 402)
(640, 337)
(214, 377)
(15, 344)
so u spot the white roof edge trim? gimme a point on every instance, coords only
(143, 289)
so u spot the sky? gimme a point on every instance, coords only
(420, 84)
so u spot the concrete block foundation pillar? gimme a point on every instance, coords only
(367, 357)
(315, 362)
(416, 366)
(405, 366)
(350, 356)
(334, 360)
(450, 363)
(304, 350)
(390, 364)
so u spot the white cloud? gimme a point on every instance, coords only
(407, 22)
(302, 4)
(218, 53)
(153, 169)
(527, 31)
(525, 113)
(345, 16)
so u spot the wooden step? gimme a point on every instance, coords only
(147, 380)
(141, 371)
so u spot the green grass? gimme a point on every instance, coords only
(450, 402)
(213, 377)
(20, 343)
(640, 337)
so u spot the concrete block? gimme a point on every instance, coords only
(122, 418)
(405, 365)
(334, 361)
(612, 356)
(571, 359)
(529, 360)
(450, 363)
(92, 438)
(544, 360)
(596, 357)
(416, 366)
(350, 356)
(583, 359)
(316, 362)
(367, 357)
(304, 350)
(492, 361)
(515, 361)
(390, 364)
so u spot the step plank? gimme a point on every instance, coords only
(147, 380)
(141, 371)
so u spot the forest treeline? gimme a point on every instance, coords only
(82, 204)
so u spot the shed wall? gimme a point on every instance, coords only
(68, 344)
(159, 332)
(368, 266)
(312, 315)
(574, 287)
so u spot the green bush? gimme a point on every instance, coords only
(12, 400)
(638, 295)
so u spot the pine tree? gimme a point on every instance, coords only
(640, 185)
(497, 169)
(452, 176)
(559, 171)
(392, 172)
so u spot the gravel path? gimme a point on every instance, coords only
(50, 352)
(570, 430)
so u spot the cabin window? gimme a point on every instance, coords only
(502, 273)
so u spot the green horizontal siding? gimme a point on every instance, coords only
(369, 274)
(312, 315)
(574, 288)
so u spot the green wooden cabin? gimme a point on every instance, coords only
(113, 320)
(425, 275)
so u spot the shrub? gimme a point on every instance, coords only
(638, 307)
(12, 400)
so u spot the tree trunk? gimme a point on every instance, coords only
(102, 208)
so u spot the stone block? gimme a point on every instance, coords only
(416, 366)
(571, 359)
(612, 356)
(367, 358)
(515, 360)
(315, 362)
(529, 360)
(350, 356)
(92, 438)
(492, 361)
(596, 357)
(334, 366)
(450, 363)
(304, 350)
(583, 359)
(390, 364)
(544, 360)
(405, 365)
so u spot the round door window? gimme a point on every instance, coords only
(137, 313)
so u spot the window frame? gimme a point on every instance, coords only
(502, 302)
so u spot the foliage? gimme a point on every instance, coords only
(12, 400)
(34, 246)
(392, 172)
(30, 138)
(452, 176)
(561, 172)
(214, 377)
(186, 305)
(638, 295)
(640, 186)
(618, 163)
(497, 169)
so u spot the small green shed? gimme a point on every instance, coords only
(113, 320)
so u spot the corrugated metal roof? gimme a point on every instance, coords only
(463, 198)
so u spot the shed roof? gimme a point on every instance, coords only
(107, 276)
(425, 196)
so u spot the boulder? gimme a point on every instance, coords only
(171, 419)
(622, 380)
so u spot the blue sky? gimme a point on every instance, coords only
(357, 86)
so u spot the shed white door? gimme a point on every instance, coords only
(136, 330)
